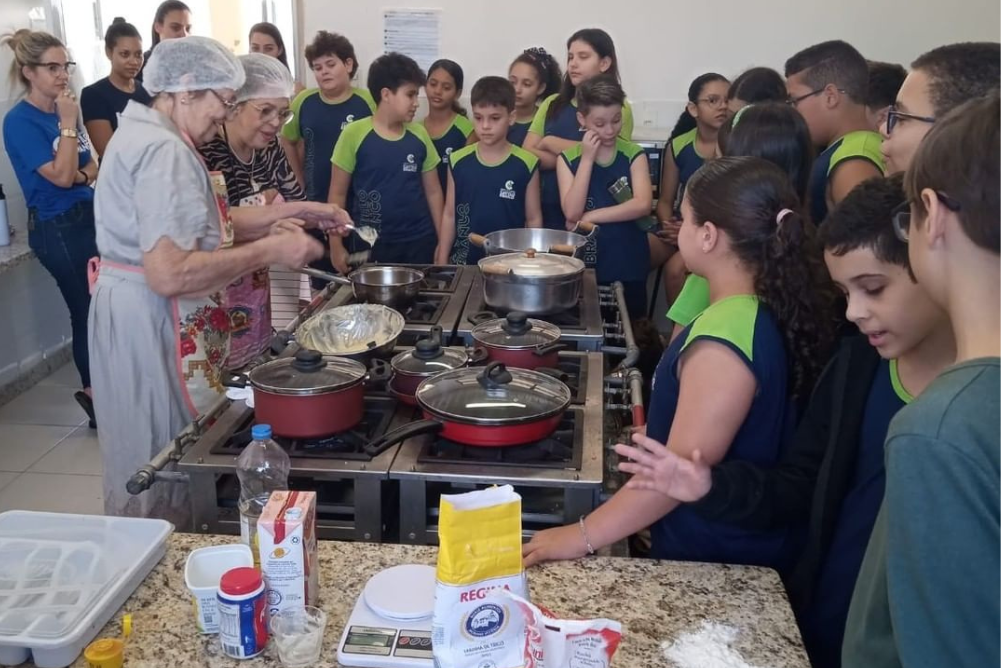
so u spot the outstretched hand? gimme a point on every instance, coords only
(556, 544)
(655, 468)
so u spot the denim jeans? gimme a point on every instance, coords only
(63, 245)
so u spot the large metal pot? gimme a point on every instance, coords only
(521, 239)
(358, 331)
(530, 282)
(428, 358)
(519, 341)
(390, 286)
(490, 407)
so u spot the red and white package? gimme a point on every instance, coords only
(564, 643)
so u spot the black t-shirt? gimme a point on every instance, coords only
(102, 101)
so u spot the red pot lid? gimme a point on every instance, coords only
(493, 395)
(516, 331)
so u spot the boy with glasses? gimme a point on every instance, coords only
(828, 84)
(927, 593)
(939, 80)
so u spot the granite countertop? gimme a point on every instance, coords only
(16, 253)
(655, 601)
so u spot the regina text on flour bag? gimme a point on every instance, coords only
(480, 552)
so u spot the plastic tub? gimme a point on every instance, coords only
(202, 571)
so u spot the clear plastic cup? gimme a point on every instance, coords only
(298, 635)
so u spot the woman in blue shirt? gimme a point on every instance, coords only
(52, 159)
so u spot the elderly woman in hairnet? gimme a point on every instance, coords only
(159, 329)
(246, 151)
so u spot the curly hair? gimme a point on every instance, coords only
(547, 70)
(752, 200)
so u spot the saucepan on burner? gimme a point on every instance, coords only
(521, 239)
(493, 406)
(519, 341)
(428, 358)
(358, 331)
(377, 284)
(309, 395)
(530, 282)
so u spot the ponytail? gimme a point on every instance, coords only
(686, 122)
(29, 46)
(753, 201)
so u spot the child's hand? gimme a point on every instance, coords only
(589, 145)
(668, 232)
(656, 468)
(566, 542)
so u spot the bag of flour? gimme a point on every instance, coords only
(480, 552)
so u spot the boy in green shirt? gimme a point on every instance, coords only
(927, 593)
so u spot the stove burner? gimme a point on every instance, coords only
(438, 277)
(572, 371)
(427, 310)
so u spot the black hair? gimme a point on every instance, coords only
(959, 158)
(492, 92)
(602, 91)
(272, 31)
(834, 62)
(332, 44)
(758, 84)
(686, 121)
(165, 8)
(864, 219)
(119, 29)
(454, 70)
(747, 197)
(547, 70)
(960, 72)
(602, 43)
(776, 132)
(392, 70)
(885, 80)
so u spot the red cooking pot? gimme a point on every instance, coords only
(309, 395)
(493, 406)
(428, 358)
(519, 341)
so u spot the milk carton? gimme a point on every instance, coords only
(286, 533)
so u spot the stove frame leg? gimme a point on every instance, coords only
(413, 512)
(204, 503)
(577, 503)
(368, 509)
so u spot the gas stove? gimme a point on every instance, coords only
(559, 478)
(581, 326)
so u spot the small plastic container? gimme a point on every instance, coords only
(298, 634)
(202, 572)
(243, 631)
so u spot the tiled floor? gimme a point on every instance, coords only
(49, 459)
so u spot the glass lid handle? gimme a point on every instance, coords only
(516, 322)
(494, 376)
(308, 361)
(429, 348)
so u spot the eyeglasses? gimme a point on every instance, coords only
(902, 215)
(269, 113)
(893, 117)
(231, 107)
(56, 68)
(714, 101)
(794, 101)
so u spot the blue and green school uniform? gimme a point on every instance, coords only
(746, 326)
(565, 126)
(858, 145)
(451, 140)
(387, 189)
(688, 161)
(517, 133)
(488, 198)
(620, 252)
(690, 302)
(823, 623)
(318, 124)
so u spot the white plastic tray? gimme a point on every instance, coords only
(63, 576)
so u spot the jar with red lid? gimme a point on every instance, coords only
(243, 631)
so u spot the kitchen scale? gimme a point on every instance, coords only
(390, 626)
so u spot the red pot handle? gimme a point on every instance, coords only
(380, 445)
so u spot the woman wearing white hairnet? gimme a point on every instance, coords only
(247, 152)
(159, 330)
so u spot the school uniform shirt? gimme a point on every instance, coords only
(857, 145)
(318, 124)
(690, 302)
(31, 139)
(686, 157)
(823, 624)
(451, 140)
(488, 198)
(517, 133)
(386, 179)
(748, 328)
(565, 126)
(927, 592)
(620, 252)
(103, 101)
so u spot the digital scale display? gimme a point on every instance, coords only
(369, 639)
(372, 641)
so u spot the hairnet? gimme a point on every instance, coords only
(190, 64)
(267, 77)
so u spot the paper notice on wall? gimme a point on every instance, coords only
(413, 32)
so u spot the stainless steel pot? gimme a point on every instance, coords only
(543, 240)
(530, 282)
(358, 331)
(386, 285)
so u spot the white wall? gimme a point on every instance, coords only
(663, 45)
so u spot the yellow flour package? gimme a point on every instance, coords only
(480, 551)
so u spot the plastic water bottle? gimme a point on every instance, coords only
(262, 468)
(4, 223)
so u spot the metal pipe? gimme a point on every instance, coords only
(632, 350)
(635, 380)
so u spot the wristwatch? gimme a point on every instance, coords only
(68, 132)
